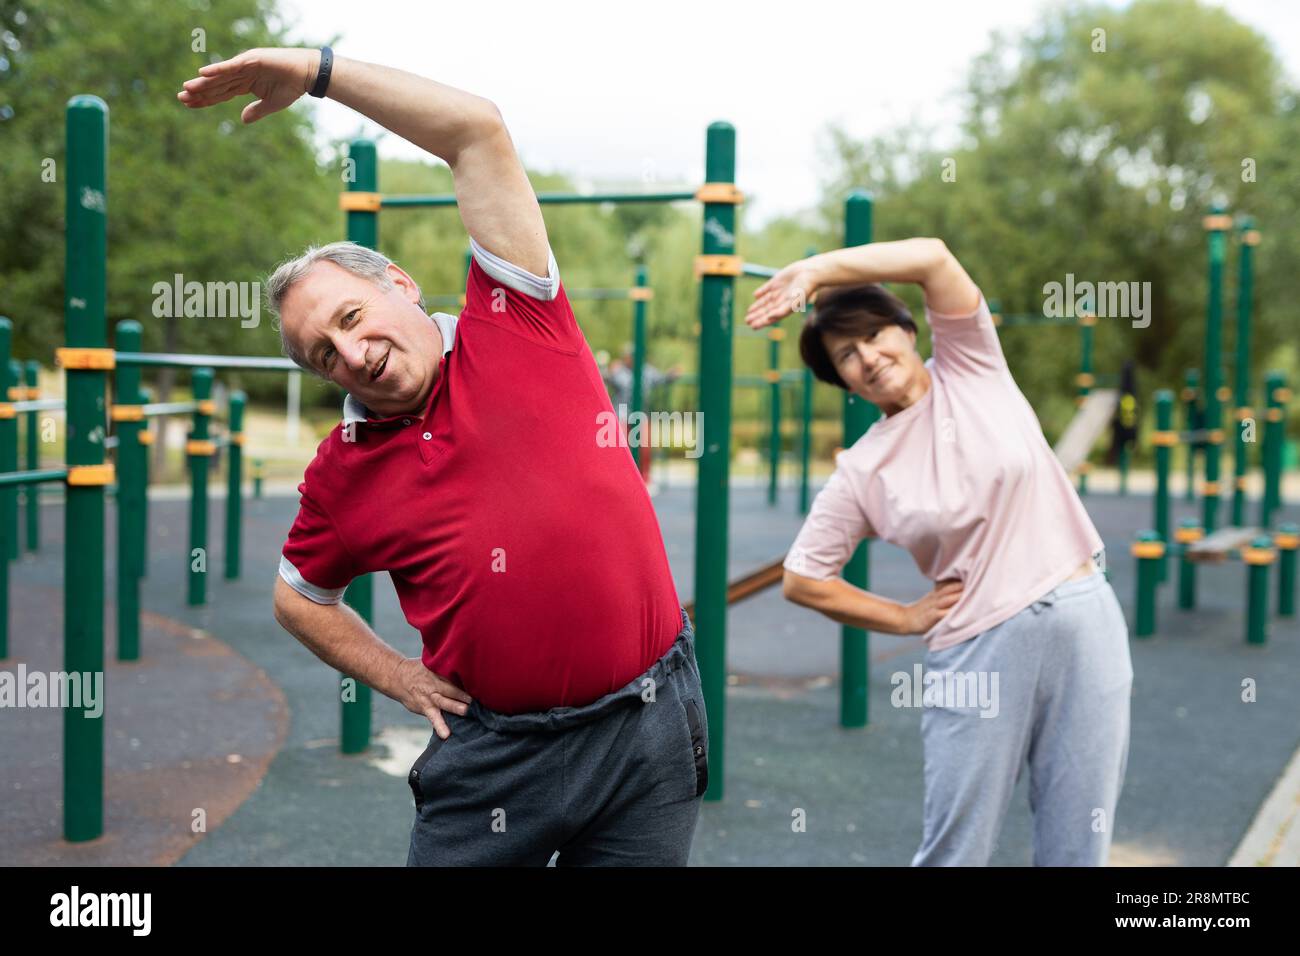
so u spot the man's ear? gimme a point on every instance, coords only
(399, 278)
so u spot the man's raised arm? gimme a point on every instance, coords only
(497, 203)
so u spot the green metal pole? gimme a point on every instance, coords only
(33, 491)
(1249, 239)
(1188, 533)
(1215, 224)
(638, 366)
(199, 451)
(1164, 440)
(8, 462)
(1258, 557)
(235, 485)
(1276, 395)
(717, 305)
(1286, 541)
(259, 474)
(85, 294)
(9, 431)
(805, 440)
(774, 336)
(1191, 387)
(858, 417)
(363, 229)
(1084, 381)
(1149, 551)
(131, 455)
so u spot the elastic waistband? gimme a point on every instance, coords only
(679, 655)
(1092, 582)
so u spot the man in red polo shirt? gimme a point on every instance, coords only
(472, 464)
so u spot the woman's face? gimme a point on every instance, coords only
(882, 365)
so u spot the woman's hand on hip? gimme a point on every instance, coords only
(925, 613)
(788, 291)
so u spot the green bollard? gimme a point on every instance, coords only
(259, 473)
(1286, 541)
(363, 229)
(8, 462)
(1274, 438)
(1215, 225)
(718, 266)
(858, 417)
(1163, 439)
(1257, 557)
(1149, 551)
(805, 440)
(84, 361)
(235, 485)
(128, 418)
(33, 492)
(1188, 533)
(774, 336)
(1191, 386)
(199, 449)
(14, 392)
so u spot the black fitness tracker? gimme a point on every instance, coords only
(323, 74)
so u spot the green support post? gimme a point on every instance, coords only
(199, 451)
(1277, 395)
(1286, 541)
(33, 438)
(131, 454)
(1085, 380)
(638, 365)
(1164, 440)
(85, 294)
(719, 266)
(1191, 389)
(8, 462)
(1215, 225)
(1257, 557)
(1189, 532)
(235, 485)
(1149, 551)
(774, 336)
(805, 439)
(13, 391)
(858, 417)
(363, 229)
(1249, 239)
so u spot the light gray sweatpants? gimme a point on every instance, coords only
(1062, 676)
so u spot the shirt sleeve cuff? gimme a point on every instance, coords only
(512, 276)
(306, 588)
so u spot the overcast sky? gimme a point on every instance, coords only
(605, 91)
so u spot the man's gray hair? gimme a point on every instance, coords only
(359, 260)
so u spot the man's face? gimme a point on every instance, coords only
(376, 344)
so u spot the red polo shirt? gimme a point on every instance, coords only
(523, 546)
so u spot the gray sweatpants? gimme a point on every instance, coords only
(1063, 677)
(615, 782)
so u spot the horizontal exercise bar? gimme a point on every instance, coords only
(757, 271)
(156, 409)
(553, 199)
(621, 295)
(250, 362)
(32, 477)
(41, 405)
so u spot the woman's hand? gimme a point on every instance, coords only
(923, 614)
(277, 77)
(788, 291)
(421, 691)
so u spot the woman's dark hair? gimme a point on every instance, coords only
(848, 310)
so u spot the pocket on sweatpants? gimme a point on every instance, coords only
(417, 769)
(699, 743)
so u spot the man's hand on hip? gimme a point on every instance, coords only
(421, 691)
(277, 77)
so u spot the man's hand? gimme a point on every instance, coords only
(923, 614)
(277, 77)
(421, 691)
(790, 290)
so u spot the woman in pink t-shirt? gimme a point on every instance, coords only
(1027, 654)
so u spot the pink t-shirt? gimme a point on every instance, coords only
(964, 480)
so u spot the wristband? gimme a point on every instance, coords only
(323, 74)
